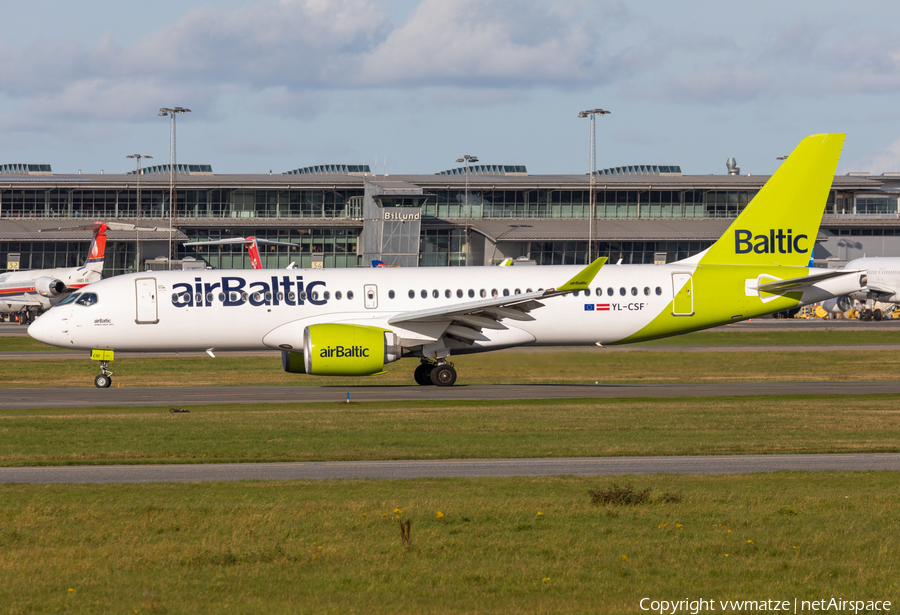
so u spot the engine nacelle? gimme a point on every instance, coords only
(838, 305)
(342, 350)
(49, 287)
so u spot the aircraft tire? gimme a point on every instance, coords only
(102, 381)
(878, 315)
(443, 375)
(423, 374)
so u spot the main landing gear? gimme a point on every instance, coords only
(105, 378)
(439, 373)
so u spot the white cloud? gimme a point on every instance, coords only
(885, 161)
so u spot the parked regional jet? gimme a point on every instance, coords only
(354, 321)
(33, 291)
(252, 244)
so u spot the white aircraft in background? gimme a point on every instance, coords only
(354, 321)
(32, 291)
(252, 244)
(881, 285)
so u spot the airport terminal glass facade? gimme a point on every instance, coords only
(335, 247)
(547, 203)
(214, 203)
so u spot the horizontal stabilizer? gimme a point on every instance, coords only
(796, 284)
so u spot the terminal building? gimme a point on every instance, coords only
(341, 215)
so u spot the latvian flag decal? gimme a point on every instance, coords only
(599, 307)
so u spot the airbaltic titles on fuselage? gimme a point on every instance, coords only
(234, 290)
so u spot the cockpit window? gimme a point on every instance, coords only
(69, 299)
(87, 299)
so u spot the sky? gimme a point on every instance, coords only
(409, 86)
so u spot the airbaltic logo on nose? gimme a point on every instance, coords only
(344, 351)
(776, 242)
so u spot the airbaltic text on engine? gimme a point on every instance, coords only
(341, 352)
(766, 244)
(236, 291)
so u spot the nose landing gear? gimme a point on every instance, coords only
(104, 379)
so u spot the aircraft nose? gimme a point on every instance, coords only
(46, 329)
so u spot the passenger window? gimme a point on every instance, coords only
(326, 295)
(447, 293)
(291, 296)
(412, 294)
(390, 294)
(302, 295)
(337, 295)
(222, 297)
(517, 291)
(269, 297)
(471, 293)
(633, 291)
(459, 293)
(435, 293)
(658, 290)
(483, 293)
(575, 294)
(494, 293)
(424, 294)
(610, 292)
(280, 296)
(647, 291)
(199, 299)
(506, 292)
(314, 295)
(244, 297)
(350, 295)
(622, 291)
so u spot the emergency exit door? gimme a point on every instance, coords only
(683, 294)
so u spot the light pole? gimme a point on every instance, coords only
(467, 159)
(137, 225)
(591, 113)
(172, 112)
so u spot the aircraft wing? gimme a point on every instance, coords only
(798, 284)
(238, 240)
(467, 319)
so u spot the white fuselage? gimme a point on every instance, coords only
(137, 311)
(883, 278)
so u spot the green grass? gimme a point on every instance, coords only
(722, 336)
(503, 545)
(23, 344)
(553, 366)
(452, 429)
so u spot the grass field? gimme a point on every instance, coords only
(501, 546)
(554, 366)
(721, 336)
(458, 429)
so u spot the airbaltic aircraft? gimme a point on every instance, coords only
(354, 321)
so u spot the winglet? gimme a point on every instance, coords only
(584, 277)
